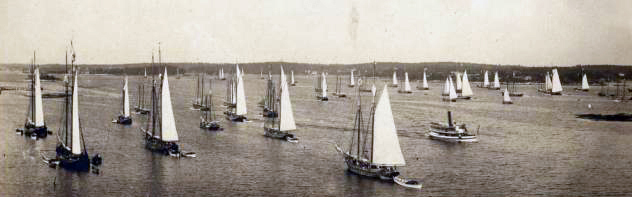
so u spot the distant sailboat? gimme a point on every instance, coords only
(406, 89)
(237, 113)
(424, 83)
(459, 85)
(286, 116)
(513, 90)
(506, 97)
(293, 83)
(125, 117)
(450, 132)
(146, 71)
(207, 118)
(451, 96)
(322, 95)
(377, 151)
(35, 126)
(352, 81)
(221, 74)
(466, 91)
(269, 107)
(556, 88)
(585, 87)
(446, 88)
(199, 100)
(140, 107)
(496, 85)
(394, 84)
(338, 91)
(486, 81)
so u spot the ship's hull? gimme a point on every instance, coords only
(269, 114)
(422, 88)
(452, 138)
(31, 130)
(156, 145)
(213, 126)
(340, 94)
(72, 162)
(124, 120)
(364, 168)
(141, 110)
(322, 98)
(235, 118)
(275, 133)
(405, 92)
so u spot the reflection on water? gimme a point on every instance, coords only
(533, 147)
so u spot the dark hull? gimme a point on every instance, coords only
(269, 114)
(32, 130)
(464, 97)
(235, 118)
(275, 133)
(200, 107)
(72, 162)
(141, 110)
(158, 146)
(364, 168)
(322, 98)
(420, 88)
(405, 92)
(213, 126)
(124, 120)
(516, 94)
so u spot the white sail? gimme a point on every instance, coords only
(496, 81)
(459, 86)
(39, 111)
(486, 80)
(145, 72)
(240, 107)
(446, 87)
(506, 98)
(168, 123)
(292, 76)
(467, 90)
(394, 78)
(406, 83)
(324, 85)
(286, 122)
(585, 83)
(452, 93)
(76, 135)
(425, 82)
(373, 90)
(125, 99)
(557, 85)
(548, 83)
(352, 81)
(221, 73)
(386, 149)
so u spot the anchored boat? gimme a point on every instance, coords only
(406, 88)
(238, 97)
(451, 132)
(125, 117)
(207, 118)
(286, 116)
(35, 126)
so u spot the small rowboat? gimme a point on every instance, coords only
(407, 182)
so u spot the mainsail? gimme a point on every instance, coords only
(446, 87)
(585, 83)
(425, 82)
(240, 107)
(352, 83)
(467, 90)
(452, 93)
(168, 123)
(292, 72)
(394, 78)
(323, 85)
(548, 84)
(76, 133)
(486, 80)
(557, 86)
(286, 121)
(386, 149)
(406, 83)
(125, 99)
(506, 98)
(459, 86)
(39, 112)
(496, 81)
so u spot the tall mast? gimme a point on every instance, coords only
(66, 104)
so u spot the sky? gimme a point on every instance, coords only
(530, 32)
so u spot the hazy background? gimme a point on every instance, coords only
(529, 33)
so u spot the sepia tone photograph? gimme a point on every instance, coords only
(316, 98)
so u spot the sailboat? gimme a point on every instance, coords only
(269, 107)
(293, 83)
(35, 126)
(585, 87)
(145, 73)
(140, 107)
(394, 84)
(485, 81)
(466, 90)
(459, 86)
(125, 117)
(220, 74)
(323, 88)
(207, 118)
(513, 91)
(338, 91)
(286, 116)
(506, 97)
(556, 88)
(451, 132)
(446, 88)
(377, 151)
(71, 152)
(547, 84)
(496, 85)
(406, 89)
(238, 112)
(199, 100)
(451, 96)
(424, 83)
(351, 80)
